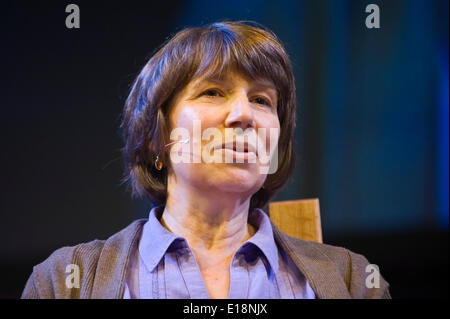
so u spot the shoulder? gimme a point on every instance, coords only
(56, 276)
(341, 257)
(362, 279)
(48, 279)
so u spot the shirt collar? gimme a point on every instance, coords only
(156, 239)
(263, 238)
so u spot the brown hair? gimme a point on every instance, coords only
(194, 52)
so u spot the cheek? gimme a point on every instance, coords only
(267, 120)
(190, 121)
(184, 117)
(271, 126)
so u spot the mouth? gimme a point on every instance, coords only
(238, 147)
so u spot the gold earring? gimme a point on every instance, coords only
(158, 163)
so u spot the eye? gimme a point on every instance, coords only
(211, 93)
(262, 101)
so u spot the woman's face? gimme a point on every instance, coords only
(215, 112)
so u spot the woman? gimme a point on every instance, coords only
(199, 121)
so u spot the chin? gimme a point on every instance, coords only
(230, 179)
(239, 183)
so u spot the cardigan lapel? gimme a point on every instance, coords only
(318, 268)
(114, 261)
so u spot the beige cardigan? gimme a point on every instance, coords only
(332, 272)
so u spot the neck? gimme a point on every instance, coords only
(213, 223)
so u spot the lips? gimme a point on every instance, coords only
(243, 147)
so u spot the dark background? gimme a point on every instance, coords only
(372, 129)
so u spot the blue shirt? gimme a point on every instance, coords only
(164, 266)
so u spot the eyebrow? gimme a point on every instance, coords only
(260, 84)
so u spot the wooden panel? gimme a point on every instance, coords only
(298, 218)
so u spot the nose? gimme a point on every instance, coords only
(241, 113)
